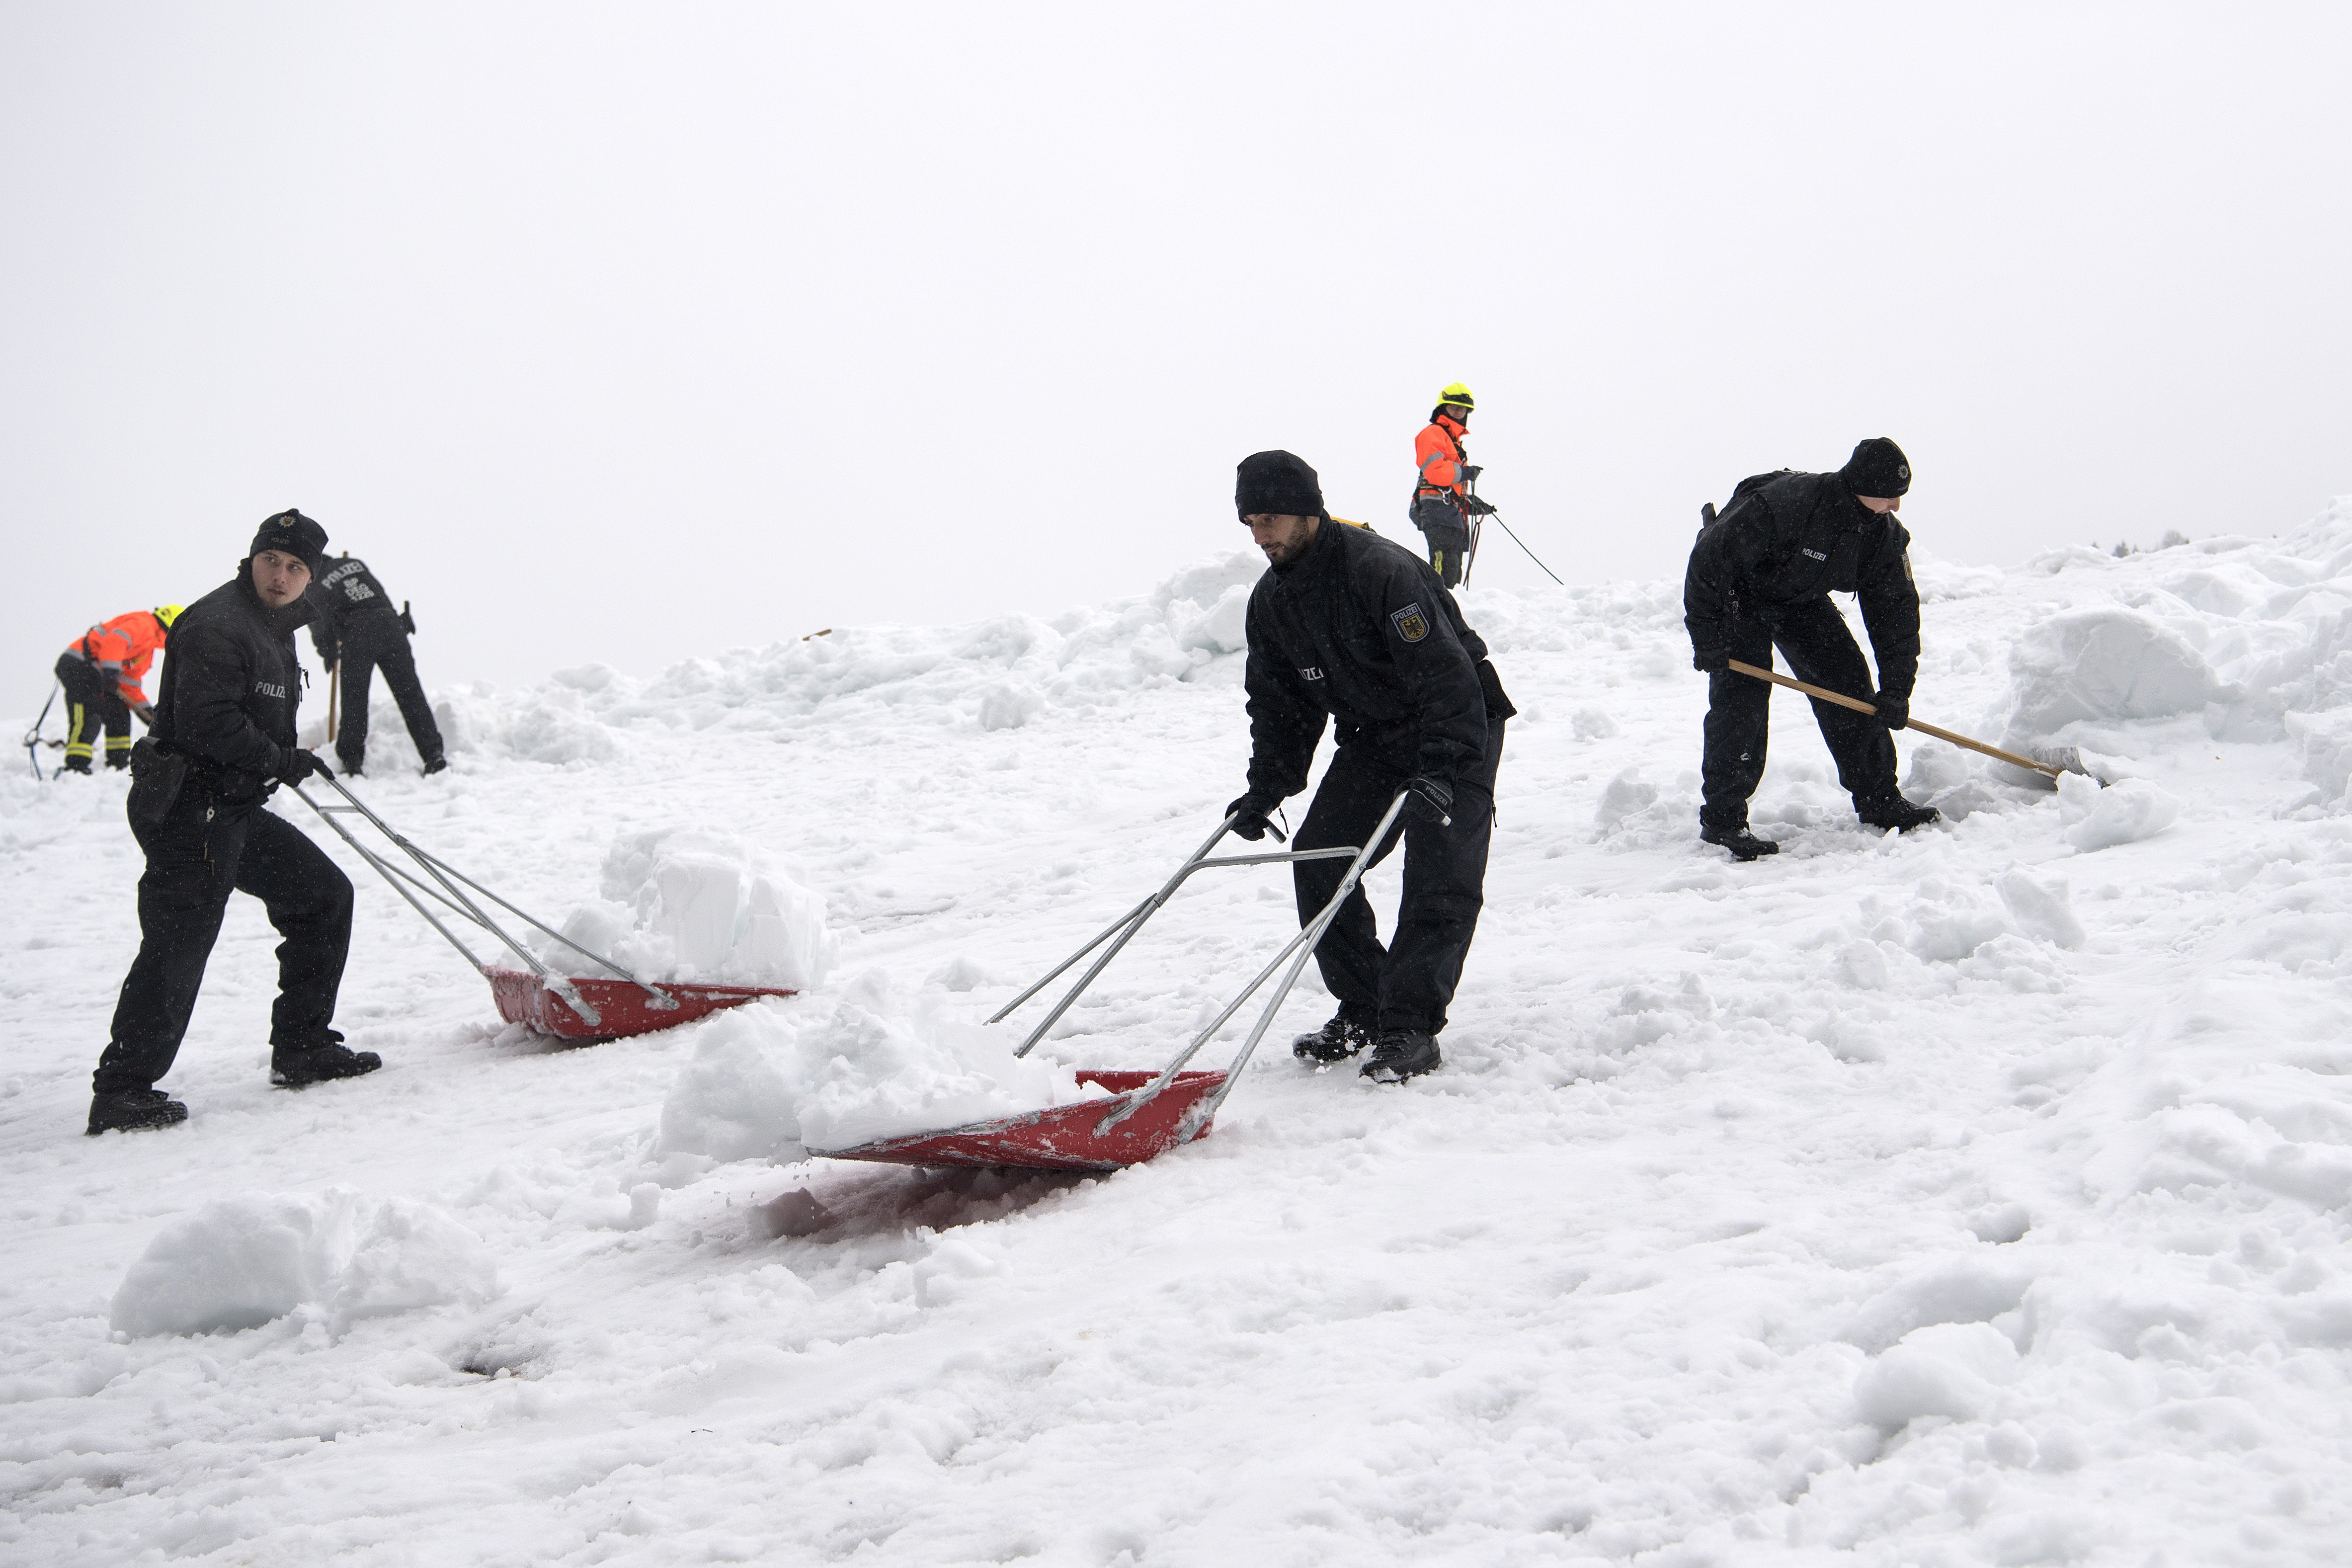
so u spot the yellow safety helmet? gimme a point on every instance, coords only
(1456, 394)
(167, 614)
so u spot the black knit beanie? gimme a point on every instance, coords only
(1877, 467)
(291, 533)
(1279, 483)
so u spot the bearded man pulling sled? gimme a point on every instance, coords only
(1351, 627)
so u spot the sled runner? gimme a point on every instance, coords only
(572, 1008)
(1148, 1113)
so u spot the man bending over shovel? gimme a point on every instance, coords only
(1349, 625)
(1761, 577)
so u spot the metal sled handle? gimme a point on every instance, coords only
(448, 892)
(1298, 951)
(1124, 927)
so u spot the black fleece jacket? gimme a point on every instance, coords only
(1799, 537)
(1360, 629)
(231, 686)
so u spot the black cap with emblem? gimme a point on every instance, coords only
(291, 533)
(1877, 467)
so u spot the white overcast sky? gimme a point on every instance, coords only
(631, 332)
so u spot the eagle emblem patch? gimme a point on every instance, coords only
(1410, 623)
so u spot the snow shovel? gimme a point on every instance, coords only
(2060, 761)
(1148, 1113)
(572, 1007)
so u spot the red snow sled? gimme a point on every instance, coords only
(572, 1007)
(617, 1008)
(1150, 1113)
(1067, 1138)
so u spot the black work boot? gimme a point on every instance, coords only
(76, 765)
(1743, 844)
(1893, 811)
(1403, 1054)
(1335, 1042)
(291, 1067)
(133, 1111)
(436, 765)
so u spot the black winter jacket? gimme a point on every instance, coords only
(348, 600)
(1799, 537)
(231, 686)
(1361, 629)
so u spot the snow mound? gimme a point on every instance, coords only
(241, 1262)
(772, 1082)
(2104, 662)
(697, 904)
(2125, 813)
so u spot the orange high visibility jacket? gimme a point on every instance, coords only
(1437, 450)
(122, 649)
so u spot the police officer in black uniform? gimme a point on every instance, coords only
(357, 631)
(1348, 624)
(1761, 577)
(222, 742)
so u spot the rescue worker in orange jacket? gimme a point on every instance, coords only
(1442, 502)
(101, 672)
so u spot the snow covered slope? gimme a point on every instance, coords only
(1976, 1197)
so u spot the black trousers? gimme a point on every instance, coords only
(1447, 535)
(1408, 984)
(201, 850)
(92, 701)
(367, 647)
(1812, 636)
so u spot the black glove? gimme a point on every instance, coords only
(1477, 507)
(146, 711)
(1711, 660)
(1471, 472)
(1893, 711)
(300, 766)
(1429, 798)
(1250, 819)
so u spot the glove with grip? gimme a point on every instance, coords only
(300, 766)
(1713, 660)
(1253, 819)
(1429, 799)
(1893, 711)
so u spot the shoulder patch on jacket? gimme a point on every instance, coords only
(1410, 623)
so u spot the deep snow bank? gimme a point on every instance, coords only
(2254, 635)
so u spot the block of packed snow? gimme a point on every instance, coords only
(2125, 813)
(1625, 795)
(1009, 705)
(411, 1255)
(738, 1098)
(2106, 663)
(1953, 1370)
(696, 904)
(770, 1081)
(240, 1262)
(2043, 910)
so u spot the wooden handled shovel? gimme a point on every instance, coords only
(2012, 758)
